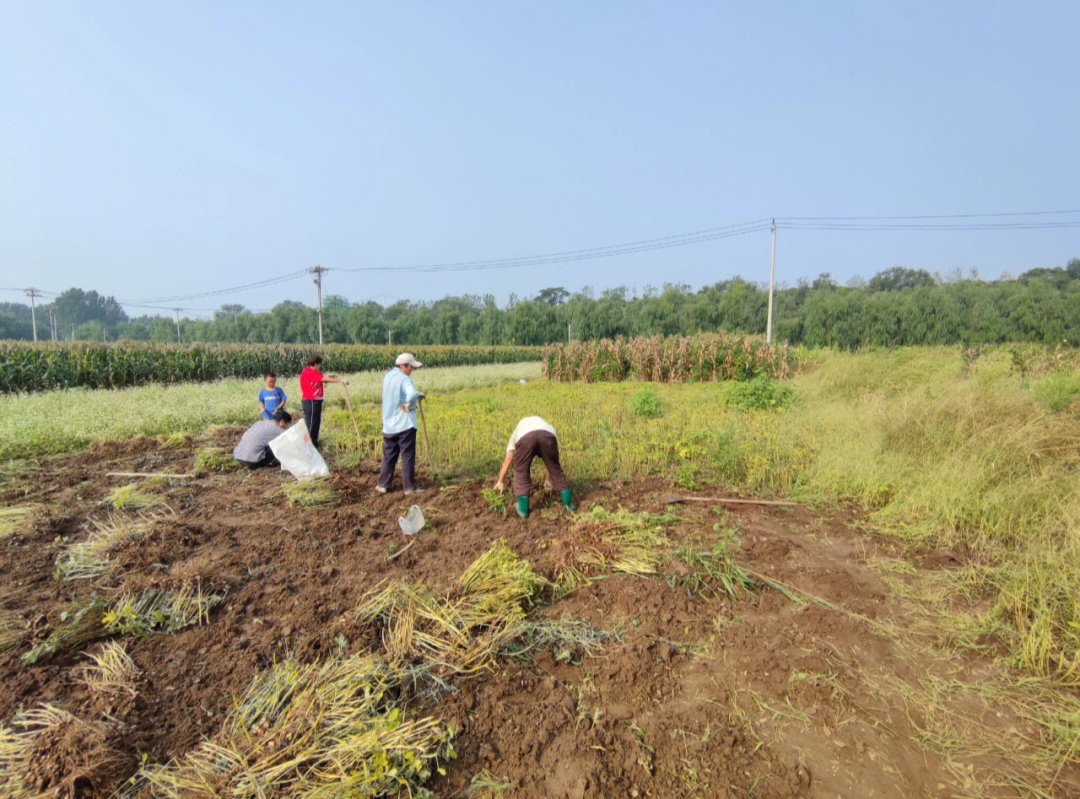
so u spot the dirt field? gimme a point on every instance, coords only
(765, 694)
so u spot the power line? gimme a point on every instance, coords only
(646, 245)
(218, 292)
(935, 216)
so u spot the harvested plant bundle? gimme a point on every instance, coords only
(320, 730)
(214, 459)
(112, 673)
(129, 497)
(10, 630)
(145, 613)
(48, 753)
(676, 359)
(462, 633)
(90, 558)
(12, 519)
(310, 493)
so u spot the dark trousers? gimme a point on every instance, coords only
(542, 443)
(312, 418)
(268, 459)
(405, 444)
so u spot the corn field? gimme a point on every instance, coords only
(704, 357)
(44, 366)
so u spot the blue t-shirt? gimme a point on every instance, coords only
(271, 400)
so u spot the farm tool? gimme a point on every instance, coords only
(672, 499)
(348, 404)
(423, 426)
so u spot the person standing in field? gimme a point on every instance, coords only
(253, 450)
(399, 401)
(531, 437)
(271, 397)
(311, 395)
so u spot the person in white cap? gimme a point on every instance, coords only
(399, 401)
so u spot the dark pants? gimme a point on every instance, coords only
(268, 459)
(405, 444)
(542, 443)
(312, 418)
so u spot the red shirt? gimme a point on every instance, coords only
(311, 386)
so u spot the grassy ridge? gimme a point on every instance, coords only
(40, 367)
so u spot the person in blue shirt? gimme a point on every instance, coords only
(399, 401)
(272, 397)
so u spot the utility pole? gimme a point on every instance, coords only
(52, 325)
(33, 294)
(318, 272)
(772, 280)
(389, 337)
(567, 332)
(178, 341)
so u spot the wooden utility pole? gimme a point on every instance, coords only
(772, 280)
(178, 341)
(52, 324)
(318, 272)
(33, 294)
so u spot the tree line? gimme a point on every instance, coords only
(896, 306)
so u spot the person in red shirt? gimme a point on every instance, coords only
(311, 395)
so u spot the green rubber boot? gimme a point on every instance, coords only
(566, 495)
(523, 507)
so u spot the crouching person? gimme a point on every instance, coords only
(533, 436)
(253, 450)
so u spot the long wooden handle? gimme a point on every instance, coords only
(423, 424)
(352, 415)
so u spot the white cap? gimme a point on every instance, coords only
(407, 359)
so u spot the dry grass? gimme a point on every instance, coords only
(317, 731)
(11, 631)
(129, 497)
(462, 633)
(47, 751)
(112, 674)
(310, 493)
(90, 558)
(13, 519)
(214, 459)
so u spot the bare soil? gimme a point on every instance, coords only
(702, 695)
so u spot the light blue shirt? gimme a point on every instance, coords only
(398, 390)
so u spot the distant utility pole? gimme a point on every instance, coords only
(52, 324)
(772, 280)
(318, 272)
(567, 332)
(389, 337)
(33, 294)
(177, 310)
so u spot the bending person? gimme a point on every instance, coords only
(253, 450)
(533, 436)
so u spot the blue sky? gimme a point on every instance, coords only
(154, 149)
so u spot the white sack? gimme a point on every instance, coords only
(297, 454)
